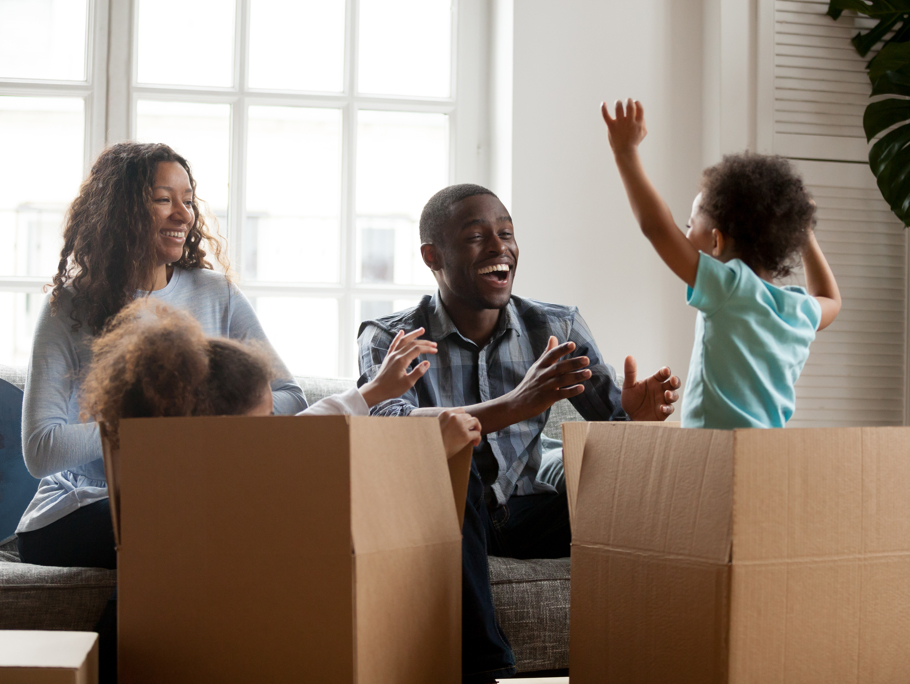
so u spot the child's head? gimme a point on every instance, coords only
(760, 204)
(153, 360)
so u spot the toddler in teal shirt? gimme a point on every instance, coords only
(749, 225)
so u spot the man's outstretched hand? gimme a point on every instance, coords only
(652, 398)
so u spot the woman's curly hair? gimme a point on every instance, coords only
(154, 360)
(109, 237)
(760, 202)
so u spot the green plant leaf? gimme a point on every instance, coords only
(863, 42)
(893, 83)
(882, 115)
(889, 72)
(892, 57)
(883, 151)
(894, 185)
(871, 8)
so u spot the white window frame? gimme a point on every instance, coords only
(93, 92)
(468, 132)
(111, 91)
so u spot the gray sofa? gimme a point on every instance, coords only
(531, 596)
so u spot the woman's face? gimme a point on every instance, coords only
(172, 211)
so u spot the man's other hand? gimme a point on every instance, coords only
(650, 399)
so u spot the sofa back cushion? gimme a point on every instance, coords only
(17, 486)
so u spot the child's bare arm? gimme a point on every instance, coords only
(820, 281)
(626, 131)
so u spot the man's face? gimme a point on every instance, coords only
(478, 255)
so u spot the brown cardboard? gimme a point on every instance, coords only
(28, 657)
(764, 556)
(288, 549)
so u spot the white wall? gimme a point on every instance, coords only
(579, 242)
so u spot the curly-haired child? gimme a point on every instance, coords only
(155, 360)
(750, 224)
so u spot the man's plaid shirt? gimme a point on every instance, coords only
(462, 374)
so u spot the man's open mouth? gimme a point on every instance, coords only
(498, 272)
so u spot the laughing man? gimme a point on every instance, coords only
(506, 360)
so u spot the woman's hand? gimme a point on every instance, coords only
(458, 430)
(393, 378)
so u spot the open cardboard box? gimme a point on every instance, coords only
(763, 556)
(323, 549)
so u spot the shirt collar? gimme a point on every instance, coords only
(442, 325)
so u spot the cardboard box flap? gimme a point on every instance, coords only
(886, 491)
(281, 457)
(574, 436)
(232, 530)
(398, 474)
(813, 494)
(649, 489)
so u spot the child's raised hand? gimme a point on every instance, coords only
(627, 128)
(393, 378)
(458, 430)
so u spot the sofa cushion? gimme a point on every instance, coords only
(319, 388)
(15, 375)
(532, 606)
(17, 486)
(39, 597)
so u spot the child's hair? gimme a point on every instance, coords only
(153, 360)
(760, 202)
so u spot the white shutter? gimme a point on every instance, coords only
(813, 90)
(820, 84)
(857, 367)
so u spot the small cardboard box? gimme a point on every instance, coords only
(763, 556)
(48, 657)
(277, 549)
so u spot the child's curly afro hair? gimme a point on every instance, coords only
(760, 202)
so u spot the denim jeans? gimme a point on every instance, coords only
(533, 526)
(82, 539)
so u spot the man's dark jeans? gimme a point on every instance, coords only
(535, 526)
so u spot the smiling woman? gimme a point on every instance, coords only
(135, 230)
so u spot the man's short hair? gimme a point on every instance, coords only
(437, 212)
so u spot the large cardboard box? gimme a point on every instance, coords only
(37, 657)
(763, 556)
(323, 549)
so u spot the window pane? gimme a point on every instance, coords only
(371, 309)
(405, 47)
(297, 45)
(35, 193)
(201, 134)
(293, 226)
(43, 39)
(402, 160)
(186, 42)
(18, 317)
(304, 332)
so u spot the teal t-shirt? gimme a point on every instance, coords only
(751, 342)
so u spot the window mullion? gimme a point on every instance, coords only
(120, 39)
(237, 196)
(346, 330)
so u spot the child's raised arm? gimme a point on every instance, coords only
(626, 131)
(820, 281)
